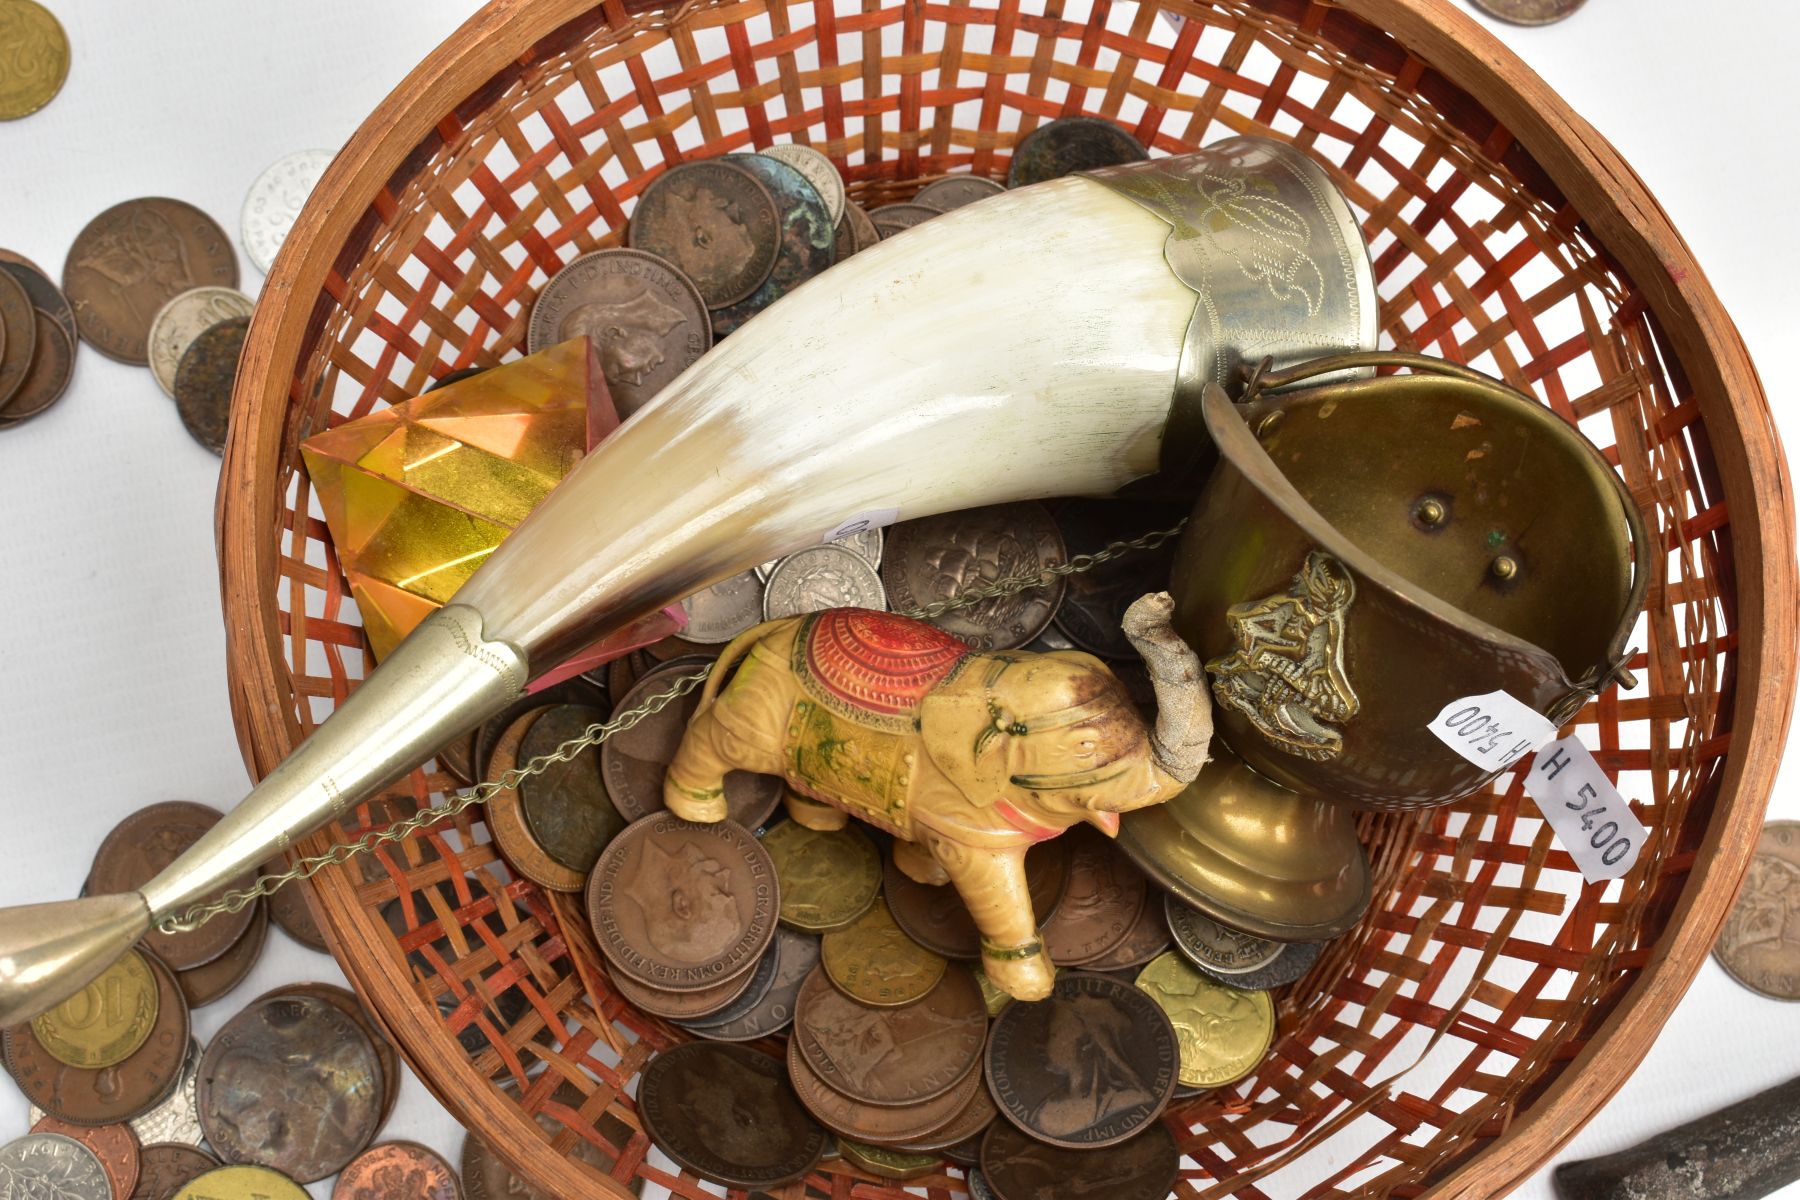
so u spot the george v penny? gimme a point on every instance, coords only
(935, 916)
(18, 323)
(1106, 893)
(715, 222)
(936, 558)
(1091, 1065)
(1760, 943)
(1223, 1031)
(114, 1145)
(956, 191)
(795, 955)
(397, 1171)
(565, 806)
(204, 378)
(134, 258)
(828, 878)
(185, 318)
(1016, 1167)
(871, 960)
(808, 238)
(138, 848)
(1070, 144)
(53, 1166)
(164, 1167)
(36, 62)
(728, 1114)
(886, 1124)
(892, 1056)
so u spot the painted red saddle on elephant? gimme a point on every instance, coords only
(875, 661)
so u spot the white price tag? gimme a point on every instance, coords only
(862, 522)
(1492, 731)
(1591, 819)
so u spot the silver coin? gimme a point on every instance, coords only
(818, 170)
(820, 577)
(890, 219)
(176, 1119)
(275, 200)
(724, 610)
(1214, 948)
(956, 191)
(867, 544)
(185, 318)
(49, 1166)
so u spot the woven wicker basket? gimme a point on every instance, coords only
(1505, 232)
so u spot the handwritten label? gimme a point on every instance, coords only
(1492, 731)
(862, 522)
(1591, 819)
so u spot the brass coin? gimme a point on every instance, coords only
(138, 848)
(1106, 893)
(241, 1183)
(795, 955)
(828, 878)
(164, 1167)
(850, 1117)
(1016, 1167)
(506, 817)
(52, 366)
(134, 258)
(887, 1163)
(935, 916)
(345, 1001)
(1529, 12)
(957, 191)
(935, 558)
(19, 320)
(203, 381)
(1069, 144)
(397, 1171)
(871, 960)
(1224, 1031)
(185, 318)
(808, 239)
(36, 61)
(114, 1145)
(565, 806)
(1760, 943)
(716, 222)
(104, 1023)
(892, 1056)
(727, 1114)
(211, 981)
(890, 219)
(685, 1006)
(1214, 948)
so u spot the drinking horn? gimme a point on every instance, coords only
(1046, 342)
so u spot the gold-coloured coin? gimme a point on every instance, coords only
(241, 1183)
(34, 58)
(828, 879)
(871, 960)
(1223, 1031)
(889, 1164)
(106, 1021)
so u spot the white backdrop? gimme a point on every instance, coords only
(112, 655)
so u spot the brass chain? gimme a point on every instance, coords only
(235, 900)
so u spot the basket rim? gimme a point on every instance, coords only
(1614, 203)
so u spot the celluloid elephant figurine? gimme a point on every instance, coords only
(968, 758)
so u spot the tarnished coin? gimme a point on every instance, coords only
(721, 612)
(46, 297)
(114, 1145)
(956, 191)
(275, 200)
(821, 577)
(937, 558)
(292, 1082)
(52, 366)
(51, 1166)
(486, 1177)
(850, 1117)
(645, 319)
(685, 1006)
(936, 917)
(345, 1001)
(1529, 12)
(163, 1167)
(750, 989)
(1214, 948)
(1090, 1066)
(505, 813)
(819, 171)
(185, 318)
(241, 1183)
(177, 1117)
(105, 1022)
(1100, 906)
(872, 961)
(1223, 1031)
(727, 1114)
(828, 878)
(397, 1171)
(204, 377)
(794, 956)
(138, 848)
(965, 1127)
(36, 58)
(1760, 943)
(866, 544)
(716, 223)
(1148, 937)
(892, 1056)
(134, 258)
(18, 320)
(1093, 612)
(808, 239)
(682, 906)
(1016, 1167)
(1294, 960)
(1069, 144)
(886, 1162)
(890, 219)
(289, 910)
(862, 229)
(211, 981)
(566, 806)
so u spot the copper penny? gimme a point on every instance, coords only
(808, 242)
(886, 1124)
(109, 1094)
(936, 558)
(345, 1001)
(506, 817)
(1529, 12)
(892, 1056)
(134, 258)
(795, 954)
(291, 1083)
(936, 917)
(143, 844)
(1148, 937)
(19, 321)
(1760, 943)
(566, 807)
(1069, 144)
(1106, 893)
(206, 983)
(755, 984)
(1015, 1167)
(46, 297)
(52, 366)
(682, 906)
(397, 1171)
(1089, 1066)
(715, 222)
(114, 1145)
(165, 1166)
(677, 1006)
(570, 691)
(203, 381)
(290, 911)
(966, 1126)
(727, 1114)
(485, 1176)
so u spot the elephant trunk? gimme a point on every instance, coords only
(1183, 709)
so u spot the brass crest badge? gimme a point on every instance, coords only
(1287, 673)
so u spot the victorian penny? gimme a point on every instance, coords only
(1092, 614)
(808, 239)
(486, 1177)
(165, 1166)
(956, 191)
(292, 1083)
(104, 1023)
(114, 1145)
(206, 983)
(143, 844)
(1015, 1167)
(886, 1162)
(892, 1056)
(19, 320)
(1090, 1066)
(819, 171)
(727, 1114)
(862, 228)
(873, 961)
(1223, 1031)
(715, 222)
(241, 1183)
(345, 1001)
(565, 805)
(1148, 937)
(274, 202)
(506, 817)
(685, 1006)
(719, 613)
(828, 878)
(795, 954)
(204, 377)
(821, 577)
(177, 1117)
(36, 61)
(643, 317)
(397, 1171)
(887, 1124)
(1529, 12)
(52, 366)
(1069, 144)
(1214, 948)
(937, 558)
(290, 911)
(935, 916)
(134, 258)
(1106, 893)
(1760, 943)
(110, 1094)
(890, 219)
(682, 906)
(185, 318)
(49, 1164)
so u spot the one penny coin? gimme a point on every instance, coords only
(49, 1164)
(727, 1114)
(956, 191)
(935, 916)
(134, 258)
(885, 1124)
(863, 233)
(565, 805)
(1069, 144)
(165, 1166)
(818, 170)
(138, 848)
(185, 318)
(680, 1006)
(105, 1022)
(203, 381)
(36, 61)
(683, 906)
(1760, 943)
(936, 558)
(1148, 937)
(1016, 1167)
(892, 1056)
(1223, 1031)
(45, 295)
(1106, 893)
(1529, 12)
(18, 320)
(241, 1183)
(873, 961)
(1212, 947)
(52, 366)
(345, 1001)
(753, 986)
(397, 1171)
(965, 1126)
(1091, 1065)
(828, 878)
(204, 984)
(114, 1145)
(716, 222)
(290, 911)
(796, 954)
(506, 818)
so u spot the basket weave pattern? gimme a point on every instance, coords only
(1484, 958)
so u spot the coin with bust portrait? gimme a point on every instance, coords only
(345, 1001)
(1069, 144)
(719, 613)
(715, 222)
(748, 988)
(1223, 1031)
(138, 848)
(1016, 1167)
(873, 961)
(894, 1055)
(932, 559)
(397, 1171)
(886, 1124)
(204, 378)
(565, 805)
(693, 1100)
(164, 1167)
(1101, 904)
(821, 577)
(808, 239)
(51, 1165)
(828, 878)
(134, 258)
(685, 1006)
(1759, 945)
(819, 171)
